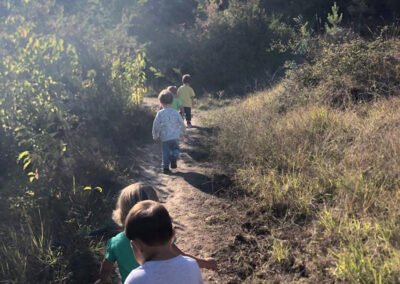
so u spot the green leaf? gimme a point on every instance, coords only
(27, 164)
(23, 154)
(31, 179)
(87, 188)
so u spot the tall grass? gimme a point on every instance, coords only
(29, 254)
(324, 146)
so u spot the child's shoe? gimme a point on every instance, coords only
(166, 171)
(173, 164)
(189, 125)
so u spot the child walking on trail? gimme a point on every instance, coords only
(176, 103)
(168, 127)
(149, 228)
(186, 94)
(119, 248)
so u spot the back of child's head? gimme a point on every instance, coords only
(173, 90)
(165, 97)
(128, 197)
(186, 79)
(149, 222)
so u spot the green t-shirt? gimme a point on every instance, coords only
(186, 93)
(119, 250)
(176, 104)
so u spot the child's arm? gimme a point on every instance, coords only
(181, 125)
(156, 128)
(192, 97)
(207, 263)
(105, 271)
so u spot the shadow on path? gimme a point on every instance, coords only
(214, 185)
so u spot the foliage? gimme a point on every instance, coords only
(334, 20)
(241, 46)
(232, 49)
(354, 71)
(128, 74)
(67, 109)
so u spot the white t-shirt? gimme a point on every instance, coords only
(177, 270)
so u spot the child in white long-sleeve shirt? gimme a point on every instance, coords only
(169, 127)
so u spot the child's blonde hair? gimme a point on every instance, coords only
(173, 90)
(165, 97)
(128, 197)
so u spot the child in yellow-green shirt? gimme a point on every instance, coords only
(186, 95)
(176, 103)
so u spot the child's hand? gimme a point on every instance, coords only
(209, 263)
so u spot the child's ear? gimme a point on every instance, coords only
(136, 245)
(173, 236)
(138, 251)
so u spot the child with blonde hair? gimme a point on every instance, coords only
(119, 249)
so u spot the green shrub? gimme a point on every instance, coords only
(68, 112)
(347, 73)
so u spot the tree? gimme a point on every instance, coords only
(334, 20)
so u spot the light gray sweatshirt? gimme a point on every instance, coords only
(168, 125)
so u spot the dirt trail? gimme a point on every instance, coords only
(201, 219)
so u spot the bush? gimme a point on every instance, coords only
(66, 125)
(233, 49)
(347, 73)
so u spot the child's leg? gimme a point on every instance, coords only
(174, 152)
(188, 113)
(165, 154)
(174, 149)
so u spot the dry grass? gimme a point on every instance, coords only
(333, 168)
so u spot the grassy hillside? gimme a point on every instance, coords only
(319, 154)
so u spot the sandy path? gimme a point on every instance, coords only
(201, 219)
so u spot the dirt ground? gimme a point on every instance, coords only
(205, 223)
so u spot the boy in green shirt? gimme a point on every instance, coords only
(186, 94)
(176, 103)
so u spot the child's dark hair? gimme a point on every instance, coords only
(165, 97)
(149, 222)
(172, 89)
(186, 79)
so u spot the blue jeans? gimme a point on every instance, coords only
(170, 151)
